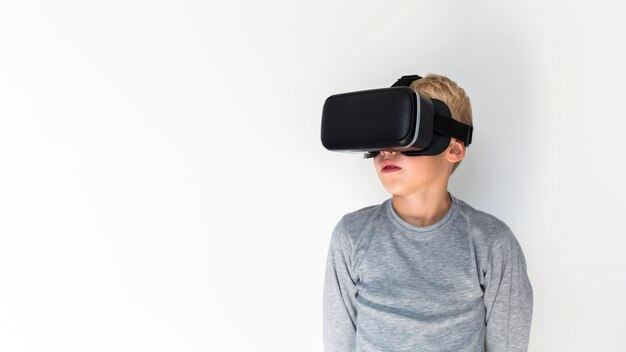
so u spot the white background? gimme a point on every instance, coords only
(163, 186)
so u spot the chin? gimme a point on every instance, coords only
(395, 190)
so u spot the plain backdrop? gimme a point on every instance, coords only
(163, 186)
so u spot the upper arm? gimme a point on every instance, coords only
(508, 296)
(339, 313)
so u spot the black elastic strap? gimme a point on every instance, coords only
(444, 123)
(453, 128)
(406, 81)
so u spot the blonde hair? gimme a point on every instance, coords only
(440, 87)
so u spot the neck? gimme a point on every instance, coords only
(424, 208)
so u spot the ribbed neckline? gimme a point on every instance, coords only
(423, 230)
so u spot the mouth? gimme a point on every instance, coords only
(388, 167)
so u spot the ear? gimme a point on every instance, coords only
(455, 151)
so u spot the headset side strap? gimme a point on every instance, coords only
(453, 128)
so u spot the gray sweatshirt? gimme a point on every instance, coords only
(457, 285)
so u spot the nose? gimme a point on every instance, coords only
(388, 152)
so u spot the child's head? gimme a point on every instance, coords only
(443, 88)
(417, 172)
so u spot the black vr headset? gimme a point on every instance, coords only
(394, 118)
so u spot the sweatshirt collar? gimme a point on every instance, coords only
(398, 221)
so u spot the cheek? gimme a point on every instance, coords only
(377, 162)
(422, 167)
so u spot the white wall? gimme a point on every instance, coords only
(163, 186)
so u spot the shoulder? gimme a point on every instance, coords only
(483, 227)
(361, 216)
(491, 238)
(351, 228)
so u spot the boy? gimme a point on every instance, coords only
(424, 271)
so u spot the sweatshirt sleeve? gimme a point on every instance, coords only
(339, 312)
(508, 297)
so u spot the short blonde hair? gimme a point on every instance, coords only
(440, 87)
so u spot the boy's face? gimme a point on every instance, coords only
(404, 175)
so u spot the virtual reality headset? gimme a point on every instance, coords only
(396, 118)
